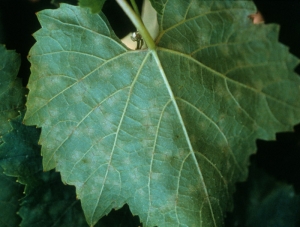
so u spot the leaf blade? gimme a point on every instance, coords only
(10, 194)
(129, 136)
(94, 5)
(47, 201)
(12, 94)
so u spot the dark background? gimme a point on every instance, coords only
(279, 158)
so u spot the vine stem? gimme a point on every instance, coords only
(138, 23)
(136, 9)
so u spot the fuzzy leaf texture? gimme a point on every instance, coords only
(168, 131)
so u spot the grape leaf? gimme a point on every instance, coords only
(11, 100)
(94, 5)
(57, 2)
(53, 204)
(264, 201)
(47, 201)
(168, 131)
(12, 94)
(20, 153)
(50, 203)
(278, 207)
(10, 193)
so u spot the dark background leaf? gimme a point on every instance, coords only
(57, 2)
(94, 5)
(50, 203)
(10, 194)
(47, 201)
(11, 100)
(263, 201)
(12, 94)
(20, 154)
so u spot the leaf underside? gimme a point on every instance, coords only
(169, 131)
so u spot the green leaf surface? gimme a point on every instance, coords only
(278, 206)
(12, 94)
(50, 203)
(53, 204)
(20, 153)
(263, 201)
(10, 193)
(11, 100)
(168, 131)
(57, 2)
(47, 201)
(94, 5)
